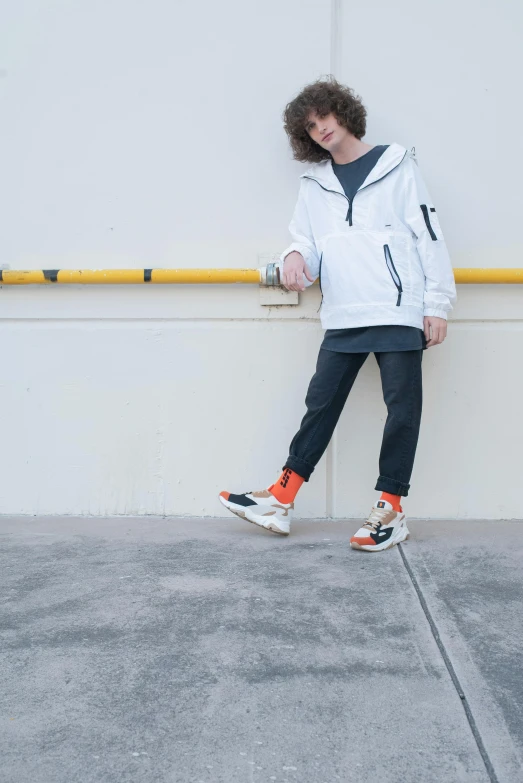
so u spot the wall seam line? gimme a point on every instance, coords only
(335, 42)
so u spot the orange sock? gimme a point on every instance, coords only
(394, 500)
(287, 486)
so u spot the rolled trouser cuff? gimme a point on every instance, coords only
(392, 486)
(299, 466)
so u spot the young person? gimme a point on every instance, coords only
(365, 225)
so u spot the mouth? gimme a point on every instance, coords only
(327, 137)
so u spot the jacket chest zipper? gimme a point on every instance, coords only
(337, 192)
(349, 213)
(350, 201)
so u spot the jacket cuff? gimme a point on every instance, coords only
(307, 256)
(296, 247)
(435, 312)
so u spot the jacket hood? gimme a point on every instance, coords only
(324, 173)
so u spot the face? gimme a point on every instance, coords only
(325, 131)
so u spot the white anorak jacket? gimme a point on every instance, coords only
(381, 258)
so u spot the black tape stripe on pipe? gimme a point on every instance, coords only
(51, 275)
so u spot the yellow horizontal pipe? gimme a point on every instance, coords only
(205, 276)
(124, 276)
(200, 276)
(488, 275)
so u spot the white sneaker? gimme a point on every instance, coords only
(383, 529)
(262, 508)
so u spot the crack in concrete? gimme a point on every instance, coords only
(450, 668)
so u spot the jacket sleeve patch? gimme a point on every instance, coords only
(432, 222)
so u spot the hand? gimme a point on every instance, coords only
(435, 330)
(294, 267)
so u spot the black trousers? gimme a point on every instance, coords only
(401, 381)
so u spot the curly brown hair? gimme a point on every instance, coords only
(322, 96)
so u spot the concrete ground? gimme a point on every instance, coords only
(206, 651)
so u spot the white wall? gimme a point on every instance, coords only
(150, 135)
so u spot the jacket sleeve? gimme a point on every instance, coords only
(302, 237)
(421, 217)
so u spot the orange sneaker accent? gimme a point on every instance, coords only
(225, 495)
(394, 500)
(287, 486)
(363, 541)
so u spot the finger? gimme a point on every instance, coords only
(426, 329)
(290, 279)
(436, 338)
(299, 280)
(291, 282)
(307, 273)
(433, 335)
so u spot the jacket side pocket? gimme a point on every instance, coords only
(393, 273)
(321, 289)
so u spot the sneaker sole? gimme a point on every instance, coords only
(402, 535)
(244, 513)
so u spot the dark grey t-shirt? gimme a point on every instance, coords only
(368, 339)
